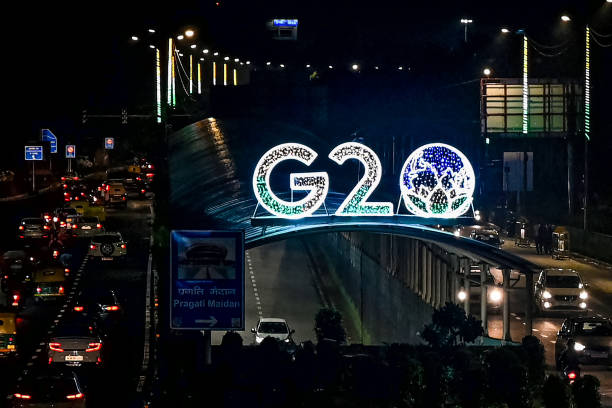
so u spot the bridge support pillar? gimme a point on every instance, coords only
(483, 298)
(423, 272)
(428, 278)
(413, 264)
(528, 303)
(438, 281)
(506, 305)
(465, 269)
(443, 283)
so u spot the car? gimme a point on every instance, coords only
(33, 228)
(86, 226)
(495, 293)
(108, 246)
(560, 290)
(100, 304)
(49, 283)
(488, 236)
(49, 387)
(592, 336)
(115, 194)
(272, 327)
(63, 213)
(8, 334)
(76, 342)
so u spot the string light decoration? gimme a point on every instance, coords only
(170, 53)
(316, 183)
(214, 73)
(190, 74)
(437, 180)
(525, 86)
(225, 74)
(199, 78)
(355, 203)
(158, 85)
(587, 85)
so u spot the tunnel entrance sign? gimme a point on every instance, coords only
(436, 181)
(207, 280)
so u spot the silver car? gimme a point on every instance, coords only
(108, 247)
(76, 342)
(561, 290)
(33, 228)
(86, 226)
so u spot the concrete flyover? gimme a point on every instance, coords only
(214, 191)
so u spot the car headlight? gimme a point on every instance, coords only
(495, 295)
(584, 295)
(579, 346)
(287, 340)
(258, 339)
(546, 295)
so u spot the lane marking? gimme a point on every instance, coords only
(38, 350)
(147, 328)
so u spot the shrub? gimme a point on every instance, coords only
(556, 393)
(586, 392)
(328, 325)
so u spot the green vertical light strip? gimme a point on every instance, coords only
(587, 85)
(525, 86)
(158, 84)
(170, 53)
(190, 74)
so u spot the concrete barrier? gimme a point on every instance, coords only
(591, 244)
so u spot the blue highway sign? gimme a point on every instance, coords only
(70, 151)
(207, 280)
(109, 143)
(33, 152)
(48, 136)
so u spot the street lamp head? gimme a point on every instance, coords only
(179, 37)
(268, 63)
(242, 63)
(226, 58)
(505, 30)
(486, 71)
(376, 67)
(151, 46)
(215, 53)
(282, 65)
(355, 67)
(248, 62)
(307, 65)
(400, 68)
(152, 31)
(236, 59)
(201, 59)
(466, 20)
(331, 67)
(205, 50)
(565, 18)
(189, 33)
(134, 38)
(193, 46)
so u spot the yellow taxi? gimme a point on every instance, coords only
(49, 283)
(8, 335)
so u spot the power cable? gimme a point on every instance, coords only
(599, 35)
(600, 44)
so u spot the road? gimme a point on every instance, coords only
(123, 349)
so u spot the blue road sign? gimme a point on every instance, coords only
(109, 143)
(207, 280)
(33, 152)
(70, 151)
(48, 136)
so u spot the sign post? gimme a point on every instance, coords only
(207, 282)
(33, 154)
(47, 136)
(109, 143)
(70, 154)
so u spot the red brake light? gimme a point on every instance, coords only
(123, 246)
(571, 375)
(65, 185)
(66, 271)
(55, 253)
(112, 308)
(46, 227)
(23, 396)
(63, 178)
(75, 178)
(61, 289)
(56, 347)
(38, 290)
(94, 347)
(92, 246)
(21, 227)
(21, 236)
(98, 225)
(78, 308)
(74, 226)
(123, 198)
(75, 396)
(107, 188)
(143, 191)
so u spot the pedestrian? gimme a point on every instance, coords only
(548, 239)
(540, 239)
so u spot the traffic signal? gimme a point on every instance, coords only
(84, 117)
(124, 116)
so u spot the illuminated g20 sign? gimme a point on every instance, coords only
(436, 180)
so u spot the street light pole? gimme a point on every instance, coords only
(465, 22)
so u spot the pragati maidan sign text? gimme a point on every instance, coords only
(436, 181)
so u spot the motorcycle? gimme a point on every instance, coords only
(571, 373)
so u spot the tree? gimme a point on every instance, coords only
(450, 326)
(328, 325)
(556, 393)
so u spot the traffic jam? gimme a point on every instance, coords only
(64, 333)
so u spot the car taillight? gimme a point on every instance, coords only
(15, 303)
(62, 224)
(74, 226)
(98, 225)
(571, 375)
(112, 308)
(21, 227)
(76, 198)
(65, 193)
(75, 396)
(143, 191)
(54, 219)
(21, 236)
(38, 290)
(79, 308)
(55, 253)
(92, 246)
(75, 178)
(123, 246)
(61, 289)
(149, 174)
(66, 271)
(123, 198)
(46, 227)
(63, 178)
(94, 347)
(65, 185)
(23, 396)
(107, 188)
(56, 347)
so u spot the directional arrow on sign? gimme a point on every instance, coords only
(211, 322)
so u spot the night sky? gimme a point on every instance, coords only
(67, 56)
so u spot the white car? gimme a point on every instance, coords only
(108, 246)
(561, 290)
(272, 327)
(86, 226)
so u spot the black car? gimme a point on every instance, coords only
(488, 236)
(49, 386)
(592, 336)
(101, 305)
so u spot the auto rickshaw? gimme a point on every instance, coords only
(8, 334)
(561, 243)
(49, 283)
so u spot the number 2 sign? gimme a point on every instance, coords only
(436, 180)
